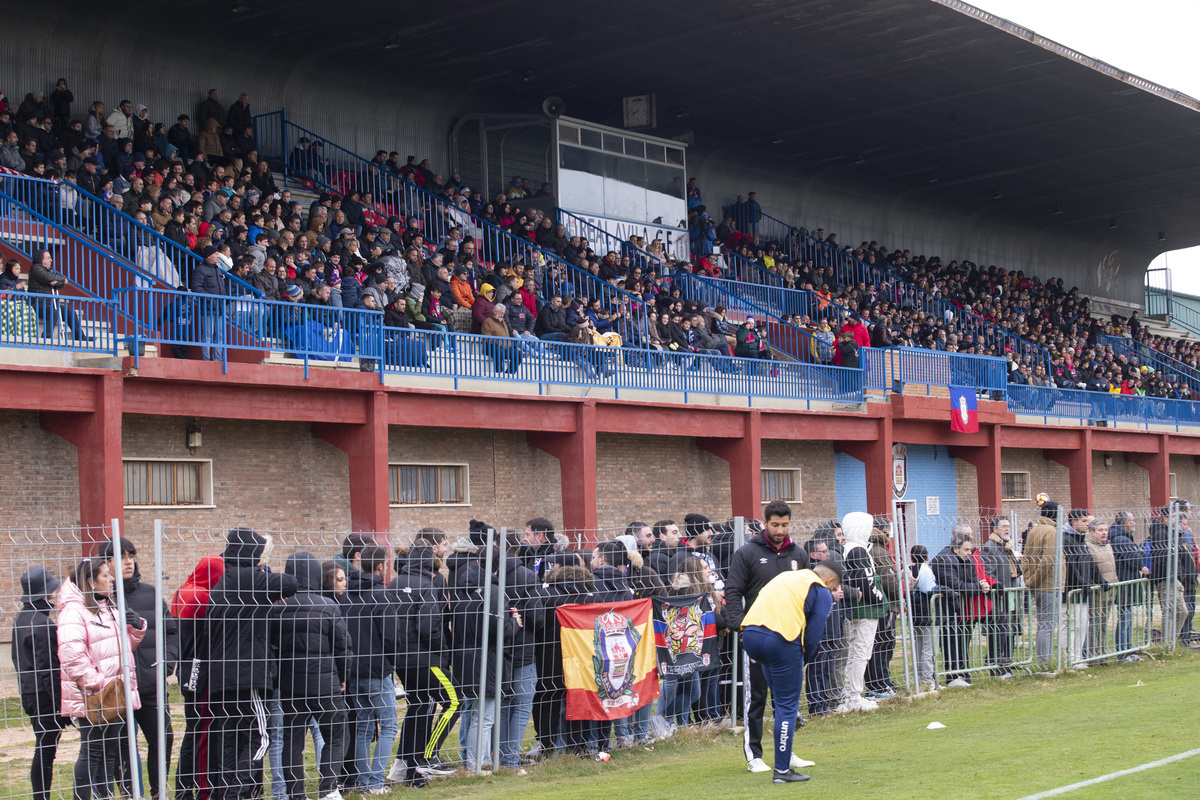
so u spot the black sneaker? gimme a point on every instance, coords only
(787, 777)
(415, 780)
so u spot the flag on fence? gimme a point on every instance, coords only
(608, 658)
(685, 631)
(964, 410)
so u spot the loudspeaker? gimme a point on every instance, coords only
(554, 107)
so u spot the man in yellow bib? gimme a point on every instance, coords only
(781, 631)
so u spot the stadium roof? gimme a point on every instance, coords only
(924, 101)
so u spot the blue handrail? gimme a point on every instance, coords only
(892, 367)
(57, 322)
(140, 246)
(1051, 402)
(578, 226)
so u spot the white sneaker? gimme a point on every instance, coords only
(398, 771)
(799, 763)
(842, 708)
(334, 795)
(867, 704)
(959, 683)
(757, 765)
(378, 790)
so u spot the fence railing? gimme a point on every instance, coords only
(1144, 355)
(57, 322)
(782, 336)
(66, 206)
(217, 324)
(473, 357)
(891, 367)
(1088, 406)
(577, 226)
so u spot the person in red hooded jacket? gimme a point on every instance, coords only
(188, 607)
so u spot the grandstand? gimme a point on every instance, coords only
(964, 206)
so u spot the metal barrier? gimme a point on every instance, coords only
(217, 324)
(130, 243)
(474, 357)
(1050, 402)
(577, 226)
(57, 322)
(968, 641)
(1119, 619)
(889, 368)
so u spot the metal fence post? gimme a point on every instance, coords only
(1170, 612)
(739, 531)
(1058, 583)
(483, 660)
(123, 642)
(501, 614)
(160, 658)
(907, 633)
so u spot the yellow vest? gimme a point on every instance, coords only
(780, 605)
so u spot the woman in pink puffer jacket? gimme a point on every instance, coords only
(90, 654)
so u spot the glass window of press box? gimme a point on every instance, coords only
(612, 174)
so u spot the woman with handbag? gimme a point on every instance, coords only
(93, 691)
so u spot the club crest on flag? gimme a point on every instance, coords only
(684, 630)
(964, 410)
(615, 642)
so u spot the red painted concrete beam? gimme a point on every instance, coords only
(366, 447)
(877, 456)
(1078, 461)
(576, 454)
(986, 460)
(1158, 467)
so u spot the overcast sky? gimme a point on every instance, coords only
(1155, 39)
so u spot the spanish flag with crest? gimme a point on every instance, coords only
(609, 663)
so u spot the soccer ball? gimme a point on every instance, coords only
(1041, 499)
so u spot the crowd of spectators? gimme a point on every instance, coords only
(264, 657)
(897, 293)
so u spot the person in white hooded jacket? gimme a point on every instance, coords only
(867, 605)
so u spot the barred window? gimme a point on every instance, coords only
(781, 484)
(1014, 485)
(427, 484)
(163, 482)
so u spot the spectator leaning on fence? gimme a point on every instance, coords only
(35, 657)
(867, 606)
(1040, 553)
(1002, 566)
(1079, 576)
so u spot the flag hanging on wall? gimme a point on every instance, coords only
(964, 410)
(685, 631)
(609, 665)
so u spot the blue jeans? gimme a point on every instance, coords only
(275, 747)
(514, 714)
(678, 700)
(783, 667)
(639, 723)
(213, 327)
(374, 700)
(466, 729)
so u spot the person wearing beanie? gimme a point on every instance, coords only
(867, 606)
(241, 671)
(1038, 556)
(35, 656)
(770, 553)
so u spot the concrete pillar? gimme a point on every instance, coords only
(576, 454)
(1158, 467)
(97, 438)
(1079, 466)
(986, 461)
(744, 456)
(877, 456)
(366, 448)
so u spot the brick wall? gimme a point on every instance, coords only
(1044, 476)
(510, 482)
(41, 485)
(1122, 487)
(1187, 478)
(657, 477)
(818, 482)
(966, 482)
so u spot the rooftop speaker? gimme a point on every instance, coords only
(554, 107)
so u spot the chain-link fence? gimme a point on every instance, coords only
(300, 663)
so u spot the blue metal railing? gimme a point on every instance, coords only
(779, 302)
(892, 367)
(220, 323)
(138, 246)
(56, 322)
(474, 357)
(754, 222)
(1049, 402)
(1184, 316)
(1142, 355)
(782, 336)
(577, 226)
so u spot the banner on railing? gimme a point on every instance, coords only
(609, 667)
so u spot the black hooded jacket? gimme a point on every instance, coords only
(373, 625)
(239, 617)
(35, 656)
(611, 586)
(752, 567)
(523, 591)
(468, 582)
(310, 635)
(140, 598)
(420, 604)
(563, 588)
